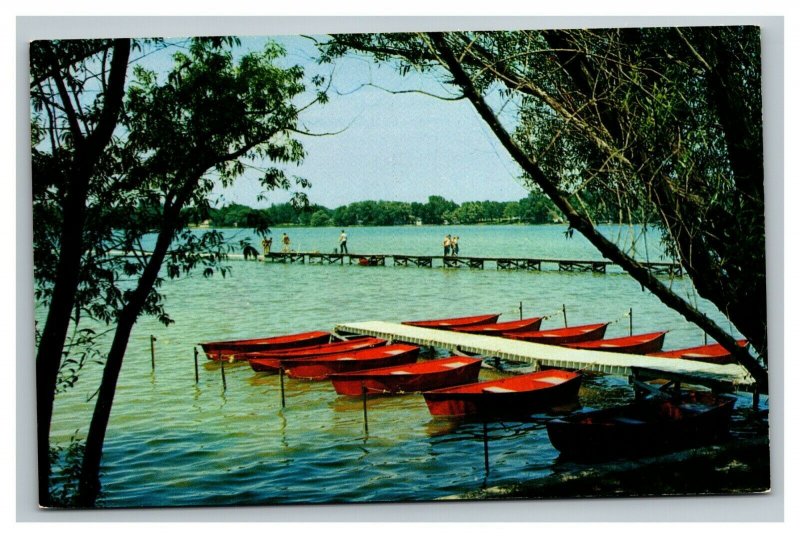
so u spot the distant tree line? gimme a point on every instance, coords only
(536, 208)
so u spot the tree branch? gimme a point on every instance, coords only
(400, 92)
(583, 225)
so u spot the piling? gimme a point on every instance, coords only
(630, 320)
(222, 371)
(283, 393)
(364, 400)
(196, 372)
(520, 310)
(152, 353)
(485, 448)
(564, 310)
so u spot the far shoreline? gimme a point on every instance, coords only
(520, 224)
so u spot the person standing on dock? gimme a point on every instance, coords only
(446, 244)
(266, 244)
(286, 242)
(343, 243)
(454, 245)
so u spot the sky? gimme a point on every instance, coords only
(398, 147)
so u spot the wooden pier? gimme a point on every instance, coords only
(727, 377)
(469, 262)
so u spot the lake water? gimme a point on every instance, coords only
(173, 443)
(543, 241)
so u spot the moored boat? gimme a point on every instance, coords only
(417, 377)
(272, 361)
(369, 261)
(567, 335)
(639, 344)
(713, 353)
(378, 357)
(497, 329)
(512, 396)
(448, 323)
(643, 428)
(223, 350)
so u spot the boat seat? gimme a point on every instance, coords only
(550, 380)
(394, 352)
(346, 359)
(454, 364)
(400, 372)
(498, 389)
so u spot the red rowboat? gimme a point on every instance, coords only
(513, 396)
(335, 346)
(415, 377)
(497, 329)
(377, 357)
(567, 335)
(225, 349)
(713, 353)
(272, 362)
(645, 427)
(368, 262)
(639, 344)
(454, 322)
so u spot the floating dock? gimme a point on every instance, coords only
(722, 377)
(471, 262)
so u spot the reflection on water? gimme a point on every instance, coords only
(174, 442)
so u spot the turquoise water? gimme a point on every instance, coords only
(173, 443)
(544, 241)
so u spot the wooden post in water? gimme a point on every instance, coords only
(564, 310)
(196, 372)
(705, 338)
(364, 400)
(283, 393)
(485, 447)
(152, 353)
(756, 398)
(520, 310)
(222, 370)
(630, 320)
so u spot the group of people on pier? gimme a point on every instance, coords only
(286, 244)
(450, 245)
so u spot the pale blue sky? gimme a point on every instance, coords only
(394, 147)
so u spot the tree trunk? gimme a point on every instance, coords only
(583, 225)
(89, 486)
(51, 345)
(746, 308)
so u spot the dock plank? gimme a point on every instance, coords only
(732, 375)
